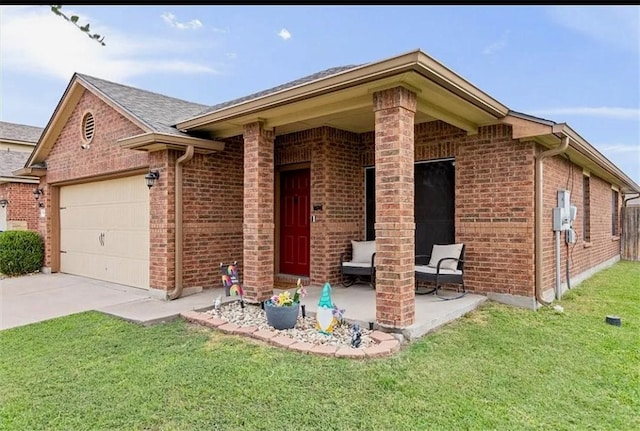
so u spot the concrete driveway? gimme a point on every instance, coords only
(34, 298)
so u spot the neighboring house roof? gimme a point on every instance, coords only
(290, 84)
(158, 112)
(19, 132)
(10, 161)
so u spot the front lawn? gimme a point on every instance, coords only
(498, 368)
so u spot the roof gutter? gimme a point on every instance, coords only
(177, 291)
(539, 206)
(155, 141)
(19, 180)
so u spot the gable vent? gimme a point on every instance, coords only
(88, 127)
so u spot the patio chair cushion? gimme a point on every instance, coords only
(362, 251)
(357, 264)
(441, 251)
(425, 269)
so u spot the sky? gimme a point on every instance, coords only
(578, 65)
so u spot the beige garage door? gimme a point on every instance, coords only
(104, 230)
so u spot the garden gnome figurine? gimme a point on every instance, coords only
(356, 336)
(325, 320)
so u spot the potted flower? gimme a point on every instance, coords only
(282, 310)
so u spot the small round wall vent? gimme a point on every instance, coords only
(88, 127)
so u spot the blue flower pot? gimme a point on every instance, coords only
(282, 317)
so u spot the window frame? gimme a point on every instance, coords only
(586, 208)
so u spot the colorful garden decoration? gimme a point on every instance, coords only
(325, 318)
(231, 282)
(356, 336)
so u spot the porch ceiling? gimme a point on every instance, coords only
(351, 109)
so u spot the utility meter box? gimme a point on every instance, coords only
(564, 200)
(562, 213)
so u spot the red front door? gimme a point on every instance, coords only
(295, 196)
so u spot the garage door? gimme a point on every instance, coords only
(104, 230)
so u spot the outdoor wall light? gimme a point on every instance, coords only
(151, 178)
(37, 193)
(3, 203)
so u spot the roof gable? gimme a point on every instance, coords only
(158, 112)
(152, 112)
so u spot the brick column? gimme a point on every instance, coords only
(395, 226)
(258, 226)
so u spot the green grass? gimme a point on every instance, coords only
(498, 368)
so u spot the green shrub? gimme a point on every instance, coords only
(21, 252)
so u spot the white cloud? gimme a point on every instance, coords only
(620, 148)
(34, 40)
(498, 45)
(617, 26)
(284, 34)
(221, 30)
(607, 112)
(170, 19)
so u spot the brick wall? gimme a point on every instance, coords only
(22, 207)
(495, 214)
(213, 211)
(560, 173)
(395, 227)
(258, 212)
(162, 223)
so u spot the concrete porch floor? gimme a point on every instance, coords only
(359, 303)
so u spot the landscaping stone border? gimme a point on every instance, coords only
(386, 344)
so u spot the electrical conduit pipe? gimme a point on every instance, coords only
(538, 214)
(177, 291)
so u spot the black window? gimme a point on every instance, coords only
(614, 213)
(434, 204)
(586, 209)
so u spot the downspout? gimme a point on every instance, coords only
(188, 155)
(538, 214)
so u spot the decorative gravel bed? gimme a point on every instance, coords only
(304, 331)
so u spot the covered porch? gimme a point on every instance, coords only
(319, 136)
(359, 303)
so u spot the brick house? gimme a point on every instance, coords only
(402, 150)
(18, 209)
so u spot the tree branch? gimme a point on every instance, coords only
(74, 20)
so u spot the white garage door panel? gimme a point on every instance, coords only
(104, 230)
(107, 268)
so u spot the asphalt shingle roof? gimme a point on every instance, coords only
(12, 160)
(300, 81)
(19, 132)
(160, 113)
